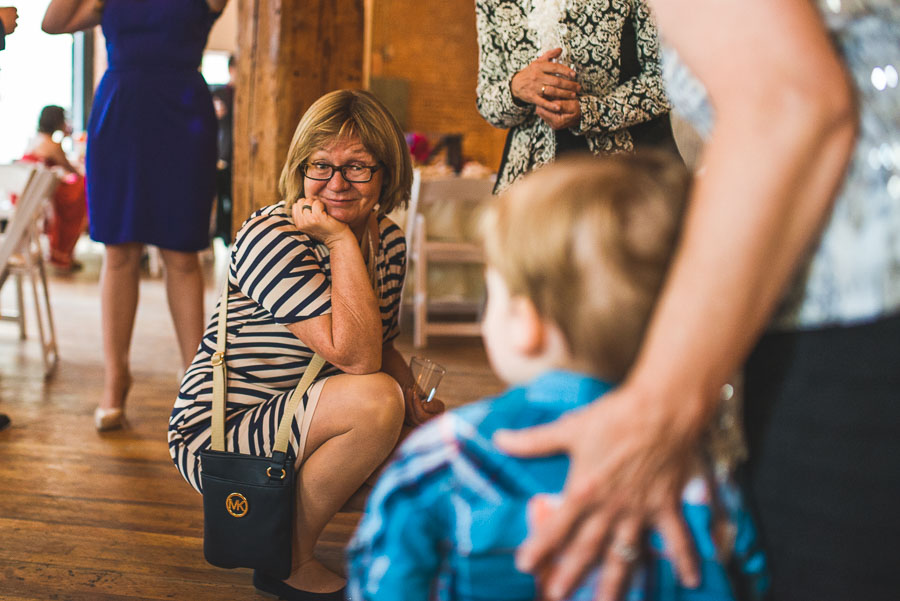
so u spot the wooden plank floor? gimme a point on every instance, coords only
(85, 516)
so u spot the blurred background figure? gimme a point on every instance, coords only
(151, 166)
(8, 21)
(223, 102)
(69, 216)
(8, 17)
(568, 80)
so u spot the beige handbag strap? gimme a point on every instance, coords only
(220, 388)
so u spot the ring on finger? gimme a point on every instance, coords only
(625, 551)
(543, 89)
(306, 208)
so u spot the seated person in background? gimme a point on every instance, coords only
(69, 202)
(577, 253)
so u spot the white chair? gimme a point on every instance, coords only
(425, 250)
(14, 178)
(21, 254)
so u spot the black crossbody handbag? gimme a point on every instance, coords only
(248, 501)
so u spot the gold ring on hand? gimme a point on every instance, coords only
(306, 208)
(543, 88)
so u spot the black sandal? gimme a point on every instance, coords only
(272, 586)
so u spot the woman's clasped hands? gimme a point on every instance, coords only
(551, 88)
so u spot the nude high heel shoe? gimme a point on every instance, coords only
(112, 418)
(108, 419)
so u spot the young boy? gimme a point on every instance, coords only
(577, 253)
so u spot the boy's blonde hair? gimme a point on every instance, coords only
(351, 113)
(589, 241)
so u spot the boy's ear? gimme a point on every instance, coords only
(528, 331)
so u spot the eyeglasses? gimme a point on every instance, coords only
(355, 174)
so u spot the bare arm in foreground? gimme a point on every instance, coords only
(773, 163)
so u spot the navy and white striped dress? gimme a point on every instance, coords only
(277, 276)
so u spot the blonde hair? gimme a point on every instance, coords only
(345, 113)
(589, 240)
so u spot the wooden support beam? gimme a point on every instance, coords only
(290, 52)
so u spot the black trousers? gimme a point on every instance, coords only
(822, 413)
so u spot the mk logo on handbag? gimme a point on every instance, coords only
(236, 505)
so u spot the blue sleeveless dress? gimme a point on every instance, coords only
(151, 154)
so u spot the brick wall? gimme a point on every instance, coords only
(432, 45)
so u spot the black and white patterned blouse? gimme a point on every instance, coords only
(591, 36)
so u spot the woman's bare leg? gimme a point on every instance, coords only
(357, 501)
(184, 290)
(355, 427)
(119, 279)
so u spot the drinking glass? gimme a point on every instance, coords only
(426, 376)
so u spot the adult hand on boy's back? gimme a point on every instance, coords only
(610, 497)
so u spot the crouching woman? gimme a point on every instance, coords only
(319, 272)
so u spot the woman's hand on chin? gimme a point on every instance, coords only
(311, 218)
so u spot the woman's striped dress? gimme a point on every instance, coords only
(277, 276)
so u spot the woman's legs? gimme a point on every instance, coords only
(355, 427)
(184, 290)
(118, 304)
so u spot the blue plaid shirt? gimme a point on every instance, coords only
(445, 518)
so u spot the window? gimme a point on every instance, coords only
(215, 67)
(35, 70)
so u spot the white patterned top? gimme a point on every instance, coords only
(513, 33)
